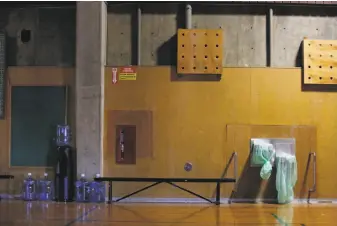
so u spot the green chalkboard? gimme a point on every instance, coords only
(35, 112)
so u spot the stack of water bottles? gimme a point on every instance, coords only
(86, 191)
(43, 189)
(37, 190)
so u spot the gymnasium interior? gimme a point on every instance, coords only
(168, 113)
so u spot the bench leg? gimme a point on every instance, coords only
(140, 190)
(191, 192)
(217, 198)
(110, 192)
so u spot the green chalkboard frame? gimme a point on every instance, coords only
(35, 112)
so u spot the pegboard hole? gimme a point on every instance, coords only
(309, 77)
(194, 34)
(183, 34)
(331, 45)
(331, 78)
(205, 34)
(330, 67)
(206, 68)
(205, 45)
(309, 66)
(217, 34)
(309, 44)
(194, 45)
(216, 45)
(331, 55)
(309, 55)
(194, 68)
(194, 56)
(183, 46)
(320, 66)
(183, 68)
(217, 68)
(182, 56)
(206, 56)
(320, 55)
(320, 78)
(216, 56)
(320, 44)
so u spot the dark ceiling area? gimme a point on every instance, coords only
(21, 4)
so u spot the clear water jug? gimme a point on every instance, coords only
(63, 135)
(97, 191)
(29, 188)
(45, 187)
(82, 189)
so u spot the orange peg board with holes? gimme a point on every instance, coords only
(320, 61)
(200, 51)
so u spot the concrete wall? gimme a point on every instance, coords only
(245, 32)
(53, 33)
(90, 61)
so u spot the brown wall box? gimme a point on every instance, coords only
(137, 127)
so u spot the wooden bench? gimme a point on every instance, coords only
(170, 181)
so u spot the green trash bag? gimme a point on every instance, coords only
(263, 154)
(286, 177)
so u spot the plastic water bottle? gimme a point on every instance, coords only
(45, 188)
(97, 191)
(29, 188)
(82, 189)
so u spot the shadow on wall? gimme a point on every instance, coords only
(167, 52)
(250, 184)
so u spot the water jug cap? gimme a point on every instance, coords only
(45, 174)
(82, 175)
(29, 174)
(98, 175)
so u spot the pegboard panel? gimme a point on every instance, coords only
(200, 51)
(320, 61)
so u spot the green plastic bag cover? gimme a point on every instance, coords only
(262, 154)
(266, 170)
(286, 177)
(262, 151)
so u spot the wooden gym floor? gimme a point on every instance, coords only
(55, 214)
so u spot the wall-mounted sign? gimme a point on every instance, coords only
(114, 75)
(127, 73)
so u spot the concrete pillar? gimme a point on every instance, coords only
(90, 61)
